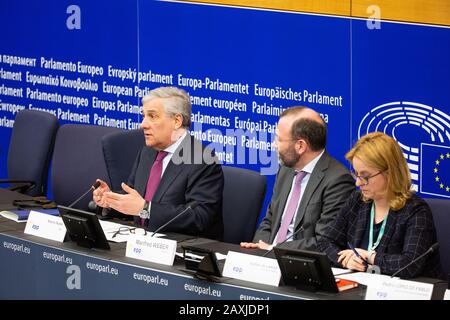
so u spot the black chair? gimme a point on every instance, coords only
(243, 196)
(441, 216)
(120, 150)
(78, 162)
(30, 151)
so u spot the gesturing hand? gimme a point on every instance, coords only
(130, 203)
(98, 194)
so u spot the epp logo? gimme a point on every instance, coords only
(237, 269)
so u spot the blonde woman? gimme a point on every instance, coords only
(384, 221)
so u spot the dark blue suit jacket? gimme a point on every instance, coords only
(409, 232)
(328, 188)
(188, 177)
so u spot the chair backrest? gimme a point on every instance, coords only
(120, 150)
(77, 162)
(441, 216)
(31, 147)
(243, 196)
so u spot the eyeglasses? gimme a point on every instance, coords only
(365, 179)
(126, 231)
(277, 139)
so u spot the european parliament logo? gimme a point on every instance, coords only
(435, 170)
(423, 133)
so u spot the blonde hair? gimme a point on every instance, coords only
(382, 152)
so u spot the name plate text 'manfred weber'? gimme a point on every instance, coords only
(151, 249)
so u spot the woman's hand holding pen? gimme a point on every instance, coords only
(348, 259)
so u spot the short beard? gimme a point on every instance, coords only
(289, 159)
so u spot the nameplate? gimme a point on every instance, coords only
(252, 268)
(45, 226)
(397, 289)
(447, 294)
(151, 249)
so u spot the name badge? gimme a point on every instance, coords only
(45, 226)
(151, 249)
(397, 289)
(252, 268)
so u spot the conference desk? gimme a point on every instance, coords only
(36, 268)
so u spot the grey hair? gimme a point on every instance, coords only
(175, 101)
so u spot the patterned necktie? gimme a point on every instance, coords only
(291, 208)
(154, 178)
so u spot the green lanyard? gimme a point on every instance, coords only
(372, 246)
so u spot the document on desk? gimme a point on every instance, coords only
(219, 256)
(116, 232)
(339, 271)
(364, 277)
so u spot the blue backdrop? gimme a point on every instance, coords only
(99, 57)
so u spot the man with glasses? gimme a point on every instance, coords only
(171, 171)
(310, 187)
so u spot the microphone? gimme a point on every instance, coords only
(93, 187)
(305, 225)
(433, 248)
(190, 205)
(100, 211)
(92, 206)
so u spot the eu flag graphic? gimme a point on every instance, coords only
(435, 170)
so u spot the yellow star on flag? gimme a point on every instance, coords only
(441, 186)
(442, 156)
(437, 162)
(435, 170)
(437, 178)
(447, 189)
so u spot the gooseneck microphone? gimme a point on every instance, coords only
(305, 225)
(190, 205)
(92, 188)
(433, 248)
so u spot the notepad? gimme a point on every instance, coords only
(344, 284)
(22, 215)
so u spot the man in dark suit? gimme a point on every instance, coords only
(171, 171)
(310, 187)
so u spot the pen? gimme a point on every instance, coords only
(357, 254)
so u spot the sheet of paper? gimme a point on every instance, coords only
(220, 256)
(339, 271)
(363, 277)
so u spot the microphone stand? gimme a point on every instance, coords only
(433, 248)
(191, 205)
(93, 187)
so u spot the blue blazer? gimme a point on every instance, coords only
(409, 232)
(195, 178)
